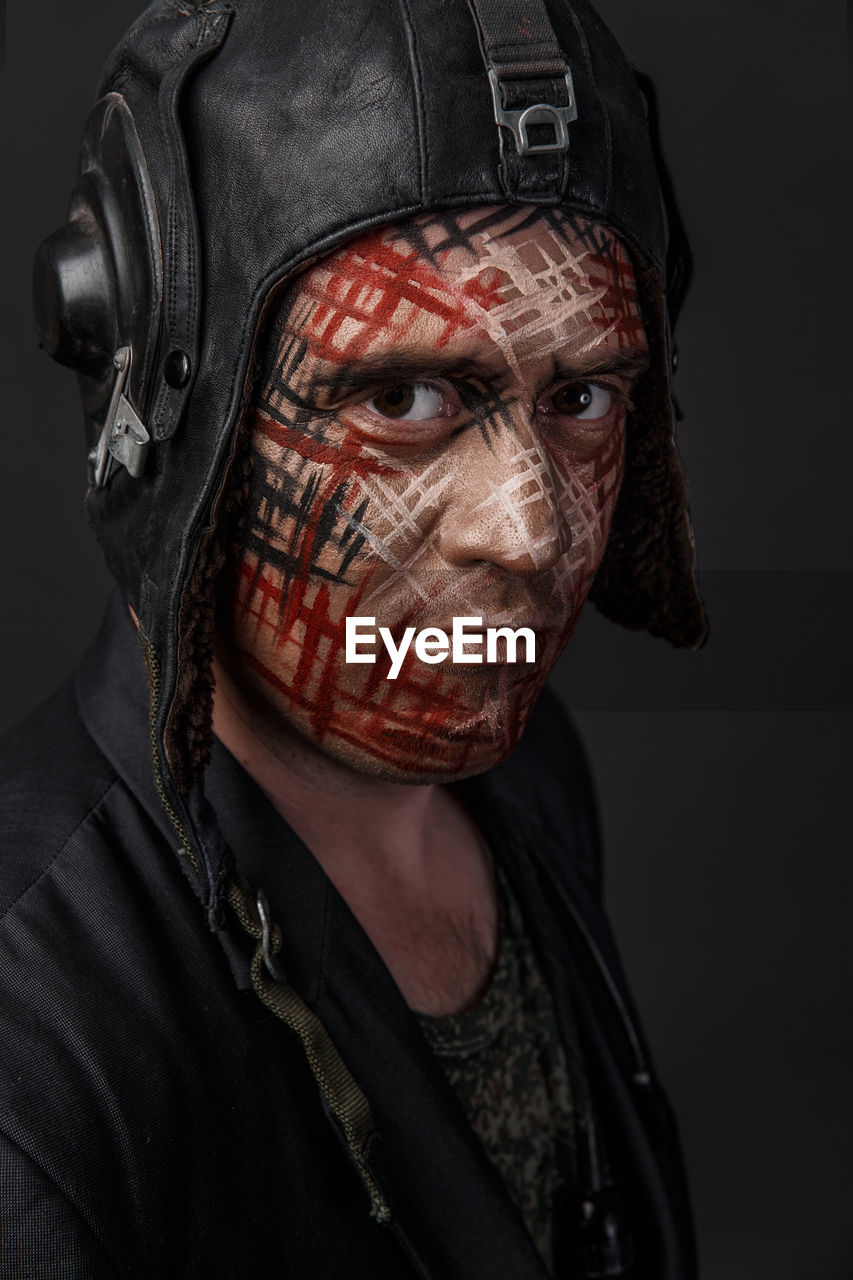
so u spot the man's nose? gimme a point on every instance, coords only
(502, 505)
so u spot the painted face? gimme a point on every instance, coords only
(440, 435)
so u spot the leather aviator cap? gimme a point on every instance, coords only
(233, 143)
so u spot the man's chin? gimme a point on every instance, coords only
(418, 752)
(421, 737)
(436, 763)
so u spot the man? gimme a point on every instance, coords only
(369, 311)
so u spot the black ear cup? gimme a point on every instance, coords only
(97, 282)
(74, 297)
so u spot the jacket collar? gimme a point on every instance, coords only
(113, 697)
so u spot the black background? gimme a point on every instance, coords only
(723, 775)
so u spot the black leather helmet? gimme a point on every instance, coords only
(237, 140)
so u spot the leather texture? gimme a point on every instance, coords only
(155, 1120)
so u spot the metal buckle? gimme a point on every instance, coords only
(272, 964)
(540, 113)
(124, 438)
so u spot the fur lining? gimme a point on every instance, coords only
(647, 577)
(189, 728)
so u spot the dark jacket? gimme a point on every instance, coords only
(159, 1121)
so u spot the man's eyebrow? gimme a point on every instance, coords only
(628, 363)
(395, 366)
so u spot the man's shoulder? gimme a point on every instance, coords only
(53, 776)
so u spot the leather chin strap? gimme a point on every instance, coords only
(532, 96)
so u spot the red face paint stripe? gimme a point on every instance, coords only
(396, 278)
(347, 457)
(387, 728)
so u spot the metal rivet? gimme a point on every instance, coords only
(176, 370)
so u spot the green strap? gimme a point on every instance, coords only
(343, 1096)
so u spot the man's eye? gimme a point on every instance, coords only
(409, 402)
(579, 400)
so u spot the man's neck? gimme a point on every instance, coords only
(407, 858)
(339, 812)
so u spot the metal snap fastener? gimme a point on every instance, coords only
(176, 370)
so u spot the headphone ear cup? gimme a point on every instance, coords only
(97, 281)
(74, 298)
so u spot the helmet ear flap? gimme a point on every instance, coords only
(679, 259)
(97, 281)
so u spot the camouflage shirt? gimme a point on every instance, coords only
(505, 1060)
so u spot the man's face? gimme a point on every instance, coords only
(441, 435)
